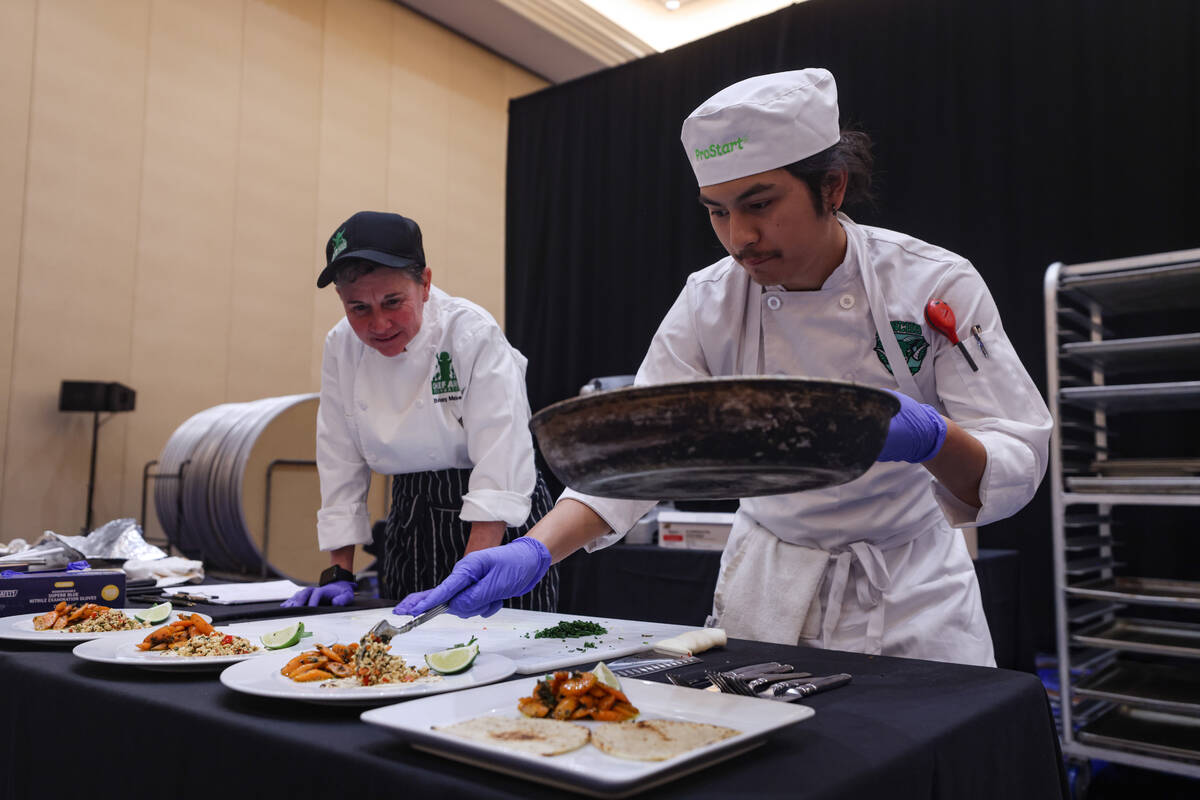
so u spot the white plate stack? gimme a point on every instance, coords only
(216, 511)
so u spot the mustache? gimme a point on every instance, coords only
(750, 252)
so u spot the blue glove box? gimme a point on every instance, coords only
(34, 592)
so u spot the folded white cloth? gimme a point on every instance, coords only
(169, 571)
(692, 642)
(766, 589)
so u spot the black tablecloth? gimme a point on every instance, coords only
(902, 729)
(662, 584)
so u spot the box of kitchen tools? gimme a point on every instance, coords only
(694, 530)
(33, 592)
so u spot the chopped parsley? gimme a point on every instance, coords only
(571, 629)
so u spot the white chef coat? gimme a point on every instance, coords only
(454, 399)
(909, 562)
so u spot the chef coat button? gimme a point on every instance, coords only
(774, 303)
(846, 301)
(420, 403)
(362, 405)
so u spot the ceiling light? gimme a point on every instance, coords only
(672, 5)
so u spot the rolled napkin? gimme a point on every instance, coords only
(692, 642)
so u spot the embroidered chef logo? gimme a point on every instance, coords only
(912, 345)
(444, 379)
(339, 243)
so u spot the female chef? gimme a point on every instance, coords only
(424, 387)
(873, 565)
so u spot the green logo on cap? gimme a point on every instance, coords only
(339, 243)
(716, 150)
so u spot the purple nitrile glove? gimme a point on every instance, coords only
(916, 434)
(338, 593)
(480, 583)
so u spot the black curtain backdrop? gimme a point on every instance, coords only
(1013, 132)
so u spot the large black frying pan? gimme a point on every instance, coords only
(716, 438)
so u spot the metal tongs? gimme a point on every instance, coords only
(384, 630)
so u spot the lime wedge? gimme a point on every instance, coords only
(284, 637)
(154, 614)
(605, 676)
(456, 659)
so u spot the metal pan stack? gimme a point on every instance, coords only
(216, 510)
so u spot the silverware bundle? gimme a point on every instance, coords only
(701, 680)
(774, 684)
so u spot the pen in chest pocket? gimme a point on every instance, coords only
(975, 331)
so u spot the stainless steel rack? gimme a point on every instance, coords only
(1139, 679)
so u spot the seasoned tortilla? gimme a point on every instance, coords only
(656, 739)
(540, 737)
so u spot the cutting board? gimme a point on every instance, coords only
(509, 632)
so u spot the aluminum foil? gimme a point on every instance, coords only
(120, 539)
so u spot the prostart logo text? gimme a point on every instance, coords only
(716, 150)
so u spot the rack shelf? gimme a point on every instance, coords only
(1148, 352)
(1142, 709)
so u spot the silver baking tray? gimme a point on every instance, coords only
(1115, 398)
(1141, 730)
(1144, 636)
(1086, 566)
(1147, 467)
(1160, 687)
(1143, 591)
(1189, 485)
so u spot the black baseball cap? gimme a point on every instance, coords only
(389, 240)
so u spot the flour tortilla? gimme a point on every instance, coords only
(539, 737)
(656, 739)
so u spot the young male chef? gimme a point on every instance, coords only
(874, 565)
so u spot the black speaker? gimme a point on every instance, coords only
(95, 396)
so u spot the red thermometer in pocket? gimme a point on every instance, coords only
(941, 317)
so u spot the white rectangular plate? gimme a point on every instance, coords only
(588, 770)
(512, 632)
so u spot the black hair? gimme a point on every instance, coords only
(851, 154)
(354, 268)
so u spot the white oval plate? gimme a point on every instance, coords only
(261, 677)
(19, 627)
(123, 649)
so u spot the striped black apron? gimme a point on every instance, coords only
(425, 538)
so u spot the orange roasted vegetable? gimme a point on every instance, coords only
(577, 695)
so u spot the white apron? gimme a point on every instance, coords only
(770, 589)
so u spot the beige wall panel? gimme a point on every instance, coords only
(420, 122)
(475, 177)
(17, 21)
(276, 200)
(183, 278)
(77, 256)
(355, 96)
(170, 173)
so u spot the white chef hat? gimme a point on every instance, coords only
(762, 123)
